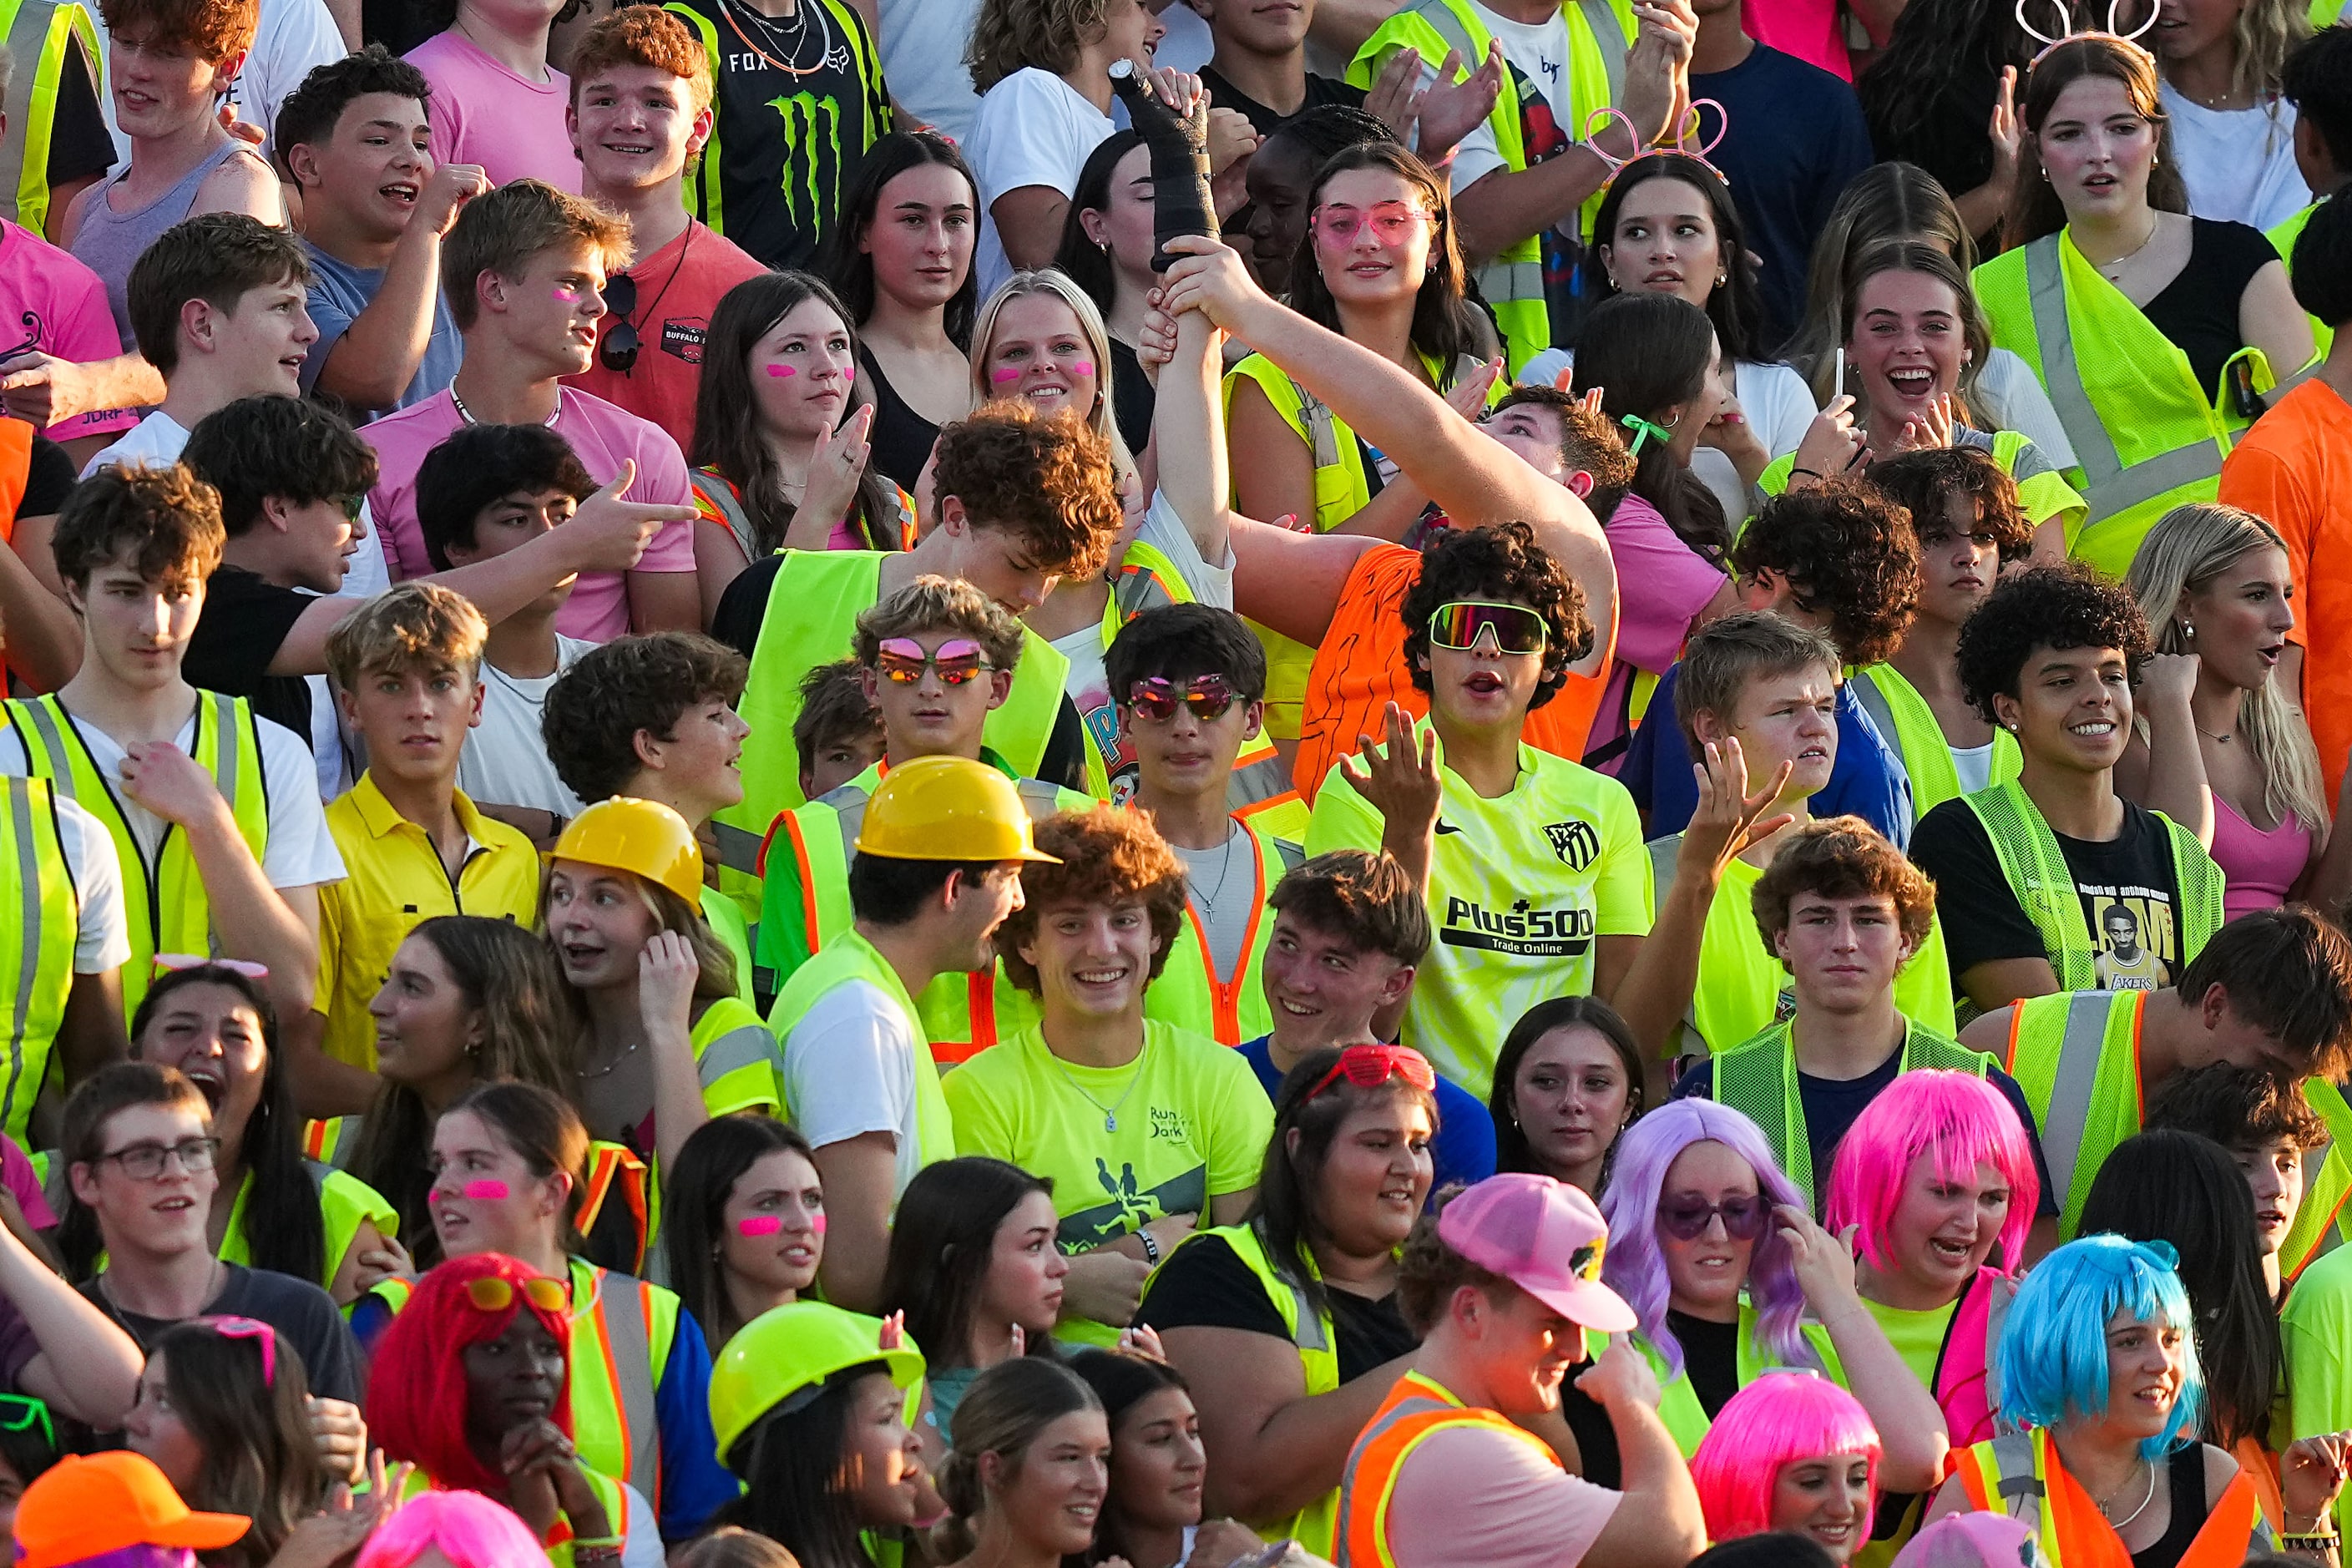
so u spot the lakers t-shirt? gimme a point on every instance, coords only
(1520, 888)
(1182, 1123)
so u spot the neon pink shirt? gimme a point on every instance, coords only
(1808, 29)
(483, 113)
(602, 438)
(70, 318)
(23, 1181)
(1470, 1497)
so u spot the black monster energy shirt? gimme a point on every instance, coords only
(799, 102)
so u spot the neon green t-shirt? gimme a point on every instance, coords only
(1183, 1123)
(1520, 888)
(2316, 1328)
(1918, 1338)
(1743, 990)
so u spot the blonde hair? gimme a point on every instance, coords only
(504, 231)
(2189, 548)
(1015, 35)
(940, 603)
(716, 975)
(2265, 32)
(416, 625)
(1049, 281)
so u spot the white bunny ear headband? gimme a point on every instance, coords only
(2066, 20)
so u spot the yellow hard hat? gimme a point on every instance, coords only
(790, 1350)
(640, 836)
(947, 808)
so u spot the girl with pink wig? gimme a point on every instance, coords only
(1791, 1452)
(1714, 1248)
(466, 1529)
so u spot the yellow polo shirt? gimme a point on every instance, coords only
(393, 879)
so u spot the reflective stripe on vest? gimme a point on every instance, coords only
(1312, 1334)
(2315, 1229)
(1758, 1078)
(163, 899)
(735, 1056)
(1904, 716)
(37, 968)
(1189, 994)
(1416, 1408)
(620, 1341)
(719, 492)
(2058, 1046)
(2043, 884)
(2020, 1475)
(854, 958)
(39, 35)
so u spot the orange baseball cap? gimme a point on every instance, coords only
(84, 1507)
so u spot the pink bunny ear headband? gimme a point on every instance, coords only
(2066, 17)
(1677, 139)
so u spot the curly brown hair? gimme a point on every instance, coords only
(594, 709)
(1013, 34)
(1919, 482)
(1841, 858)
(166, 518)
(1850, 556)
(2238, 1108)
(1046, 479)
(2066, 605)
(1501, 563)
(1107, 856)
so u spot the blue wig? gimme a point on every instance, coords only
(2054, 1349)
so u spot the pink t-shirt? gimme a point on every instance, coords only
(602, 438)
(1471, 1497)
(483, 113)
(1662, 584)
(70, 318)
(25, 1184)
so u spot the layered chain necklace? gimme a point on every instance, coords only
(789, 40)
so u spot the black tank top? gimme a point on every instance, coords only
(2186, 1468)
(901, 439)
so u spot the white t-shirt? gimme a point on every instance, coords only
(1538, 51)
(2013, 397)
(505, 758)
(1189, 43)
(1088, 686)
(849, 1069)
(300, 852)
(923, 43)
(1974, 766)
(2238, 164)
(1031, 129)
(641, 1541)
(103, 942)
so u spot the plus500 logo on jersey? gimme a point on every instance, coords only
(1520, 931)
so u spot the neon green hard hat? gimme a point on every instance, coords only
(790, 1350)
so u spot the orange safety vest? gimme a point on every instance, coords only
(15, 473)
(2021, 1475)
(1415, 1408)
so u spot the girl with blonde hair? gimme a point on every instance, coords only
(2232, 128)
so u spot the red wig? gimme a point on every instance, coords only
(416, 1395)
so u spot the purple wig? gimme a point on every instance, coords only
(1776, 1420)
(471, 1530)
(1959, 1116)
(141, 1557)
(1636, 1267)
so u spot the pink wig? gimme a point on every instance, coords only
(1776, 1420)
(1960, 1116)
(471, 1530)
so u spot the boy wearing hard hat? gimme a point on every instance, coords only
(408, 675)
(935, 869)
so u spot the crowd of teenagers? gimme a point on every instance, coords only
(1175, 784)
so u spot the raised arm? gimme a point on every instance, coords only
(86, 1367)
(1189, 422)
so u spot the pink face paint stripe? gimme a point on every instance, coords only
(1082, 368)
(849, 372)
(780, 370)
(816, 1224)
(1002, 376)
(760, 1225)
(488, 1189)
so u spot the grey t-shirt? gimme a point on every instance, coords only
(338, 294)
(1218, 883)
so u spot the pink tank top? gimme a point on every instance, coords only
(2261, 866)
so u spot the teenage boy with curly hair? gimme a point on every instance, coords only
(1841, 558)
(2051, 659)
(2269, 1127)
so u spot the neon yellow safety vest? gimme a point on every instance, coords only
(2076, 1056)
(163, 899)
(2319, 1223)
(2042, 494)
(854, 958)
(622, 1329)
(725, 919)
(736, 1058)
(2323, 12)
(2284, 237)
(1599, 34)
(39, 34)
(1758, 1078)
(557, 1545)
(1188, 993)
(1317, 1341)
(344, 1202)
(2036, 871)
(36, 967)
(811, 611)
(1909, 725)
(962, 1014)
(2146, 436)
(1678, 1402)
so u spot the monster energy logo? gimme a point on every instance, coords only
(812, 126)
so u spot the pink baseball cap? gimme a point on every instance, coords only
(1543, 1236)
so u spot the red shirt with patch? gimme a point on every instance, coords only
(678, 289)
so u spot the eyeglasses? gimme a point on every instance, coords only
(617, 351)
(1368, 1066)
(248, 1329)
(173, 962)
(1156, 700)
(1686, 1218)
(22, 1413)
(903, 661)
(1391, 222)
(492, 1294)
(145, 1162)
(1505, 628)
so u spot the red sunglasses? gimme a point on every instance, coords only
(1368, 1066)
